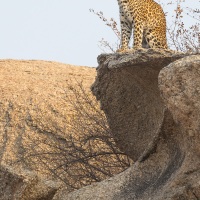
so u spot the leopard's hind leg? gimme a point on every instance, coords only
(156, 38)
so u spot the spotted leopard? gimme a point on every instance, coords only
(148, 22)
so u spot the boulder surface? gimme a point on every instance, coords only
(151, 100)
(33, 108)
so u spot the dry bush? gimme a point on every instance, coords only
(181, 37)
(104, 45)
(79, 151)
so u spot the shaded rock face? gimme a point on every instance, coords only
(151, 100)
(127, 87)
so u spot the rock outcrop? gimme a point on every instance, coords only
(25, 185)
(151, 100)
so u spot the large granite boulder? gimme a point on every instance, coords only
(33, 114)
(33, 95)
(159, 132)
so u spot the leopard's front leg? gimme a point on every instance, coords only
(137, 34)
(126, 30)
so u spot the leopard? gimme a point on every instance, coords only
(146, 19)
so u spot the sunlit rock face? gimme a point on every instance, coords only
(32, 109)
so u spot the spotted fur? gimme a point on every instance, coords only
(148, 22)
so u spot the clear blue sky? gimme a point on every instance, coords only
(57, 30)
